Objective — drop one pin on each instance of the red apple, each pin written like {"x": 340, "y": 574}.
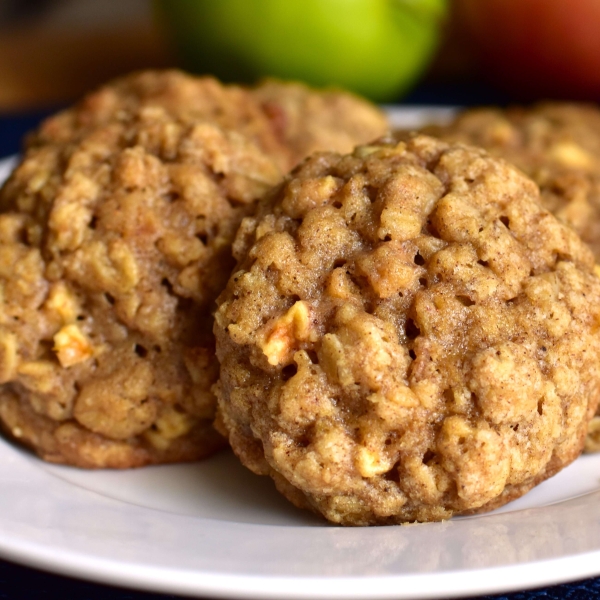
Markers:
{"x": 537, "y": 47}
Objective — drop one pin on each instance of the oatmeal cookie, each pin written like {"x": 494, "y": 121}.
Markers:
{"x": 187, "y": 99}
{"x": 115, "y": 239}
{"x": 308, "y": 121}
{"x": 556, "y": 144}
{"x": 408, "y": 335}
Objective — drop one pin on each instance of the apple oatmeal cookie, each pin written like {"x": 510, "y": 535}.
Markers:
{"x": 287, "y": 120}
{"x": 307, "y": 120}
{"x": 115, "y": 239}
{"x": 408, "y": 335}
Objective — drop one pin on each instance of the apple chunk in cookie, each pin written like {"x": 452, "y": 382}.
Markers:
{"x": 408, "y": 335}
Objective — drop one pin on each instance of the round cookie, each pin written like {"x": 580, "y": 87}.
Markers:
{"x": 115, "y": 239}
{"x": 287, "y": 120}
{"x": 186, "y": 98}
{"x": 408, "y": 335}
{"x": 556, "y": 144}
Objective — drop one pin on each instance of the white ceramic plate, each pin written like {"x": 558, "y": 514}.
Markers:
{"x": 214, "y": 529}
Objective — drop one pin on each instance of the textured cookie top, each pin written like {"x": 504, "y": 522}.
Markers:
{"x": 408, "y": 334}
{"x": 556, "y": 144}
{"x": 115, "y": 240}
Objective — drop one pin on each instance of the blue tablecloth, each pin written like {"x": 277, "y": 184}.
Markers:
{"x": 20, "y": 583}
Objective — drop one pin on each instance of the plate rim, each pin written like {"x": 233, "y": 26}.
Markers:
{"x": 524, "y": 576}
{"x": 425, "y": 585}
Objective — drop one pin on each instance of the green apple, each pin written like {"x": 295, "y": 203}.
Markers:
{"x": 377, "y": 48}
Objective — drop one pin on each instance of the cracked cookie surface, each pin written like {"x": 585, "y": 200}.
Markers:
{"x": 556, "y": 144}
{"x": 408, "y": 335}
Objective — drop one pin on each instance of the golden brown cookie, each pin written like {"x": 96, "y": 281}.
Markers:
{"x": 115, "y": 239}
{"x": 185, "y": 98}
{"x": 287, "y": 120}
{"x": 408, "y": 335}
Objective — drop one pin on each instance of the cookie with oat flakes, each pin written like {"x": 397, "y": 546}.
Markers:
{"x": 306, "y": 120}
{"x": 408, "y": 335}
{"x": 115, "y": 239}
{"x": 556, "y": 144}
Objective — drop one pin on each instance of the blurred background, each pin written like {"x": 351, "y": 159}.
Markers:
{"x": 52, "y": 51}
{"x": 413, "y": 51}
